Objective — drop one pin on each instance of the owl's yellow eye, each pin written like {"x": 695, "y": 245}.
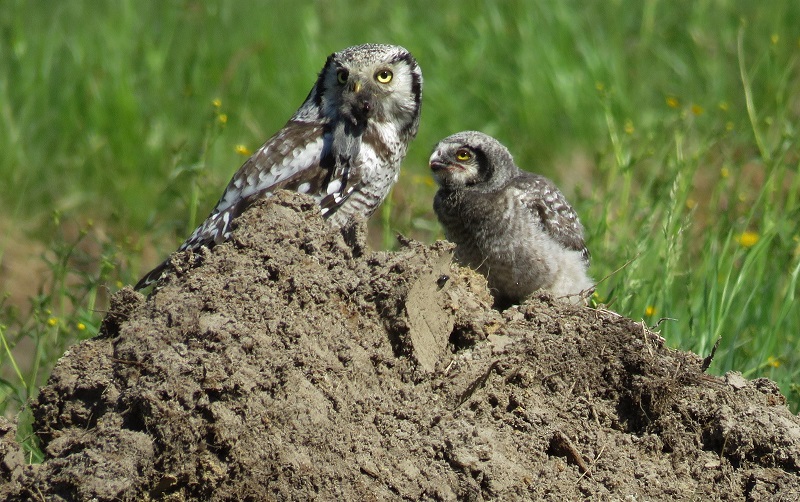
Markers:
{"x": 384, "y": 76}
{"x": 341, "y": 76}
{"x": 463, "y": 154}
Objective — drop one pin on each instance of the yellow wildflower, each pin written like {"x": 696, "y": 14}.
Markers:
{"x": 673, "y": 102}
{"x": 774, "y": 38}
{"x": 629, "y": 126}
{"x": 80, "y": 326}
{"x": 243, "y": 150}
{"x": 223, "y": 118}
{"x": 774, "y": 362}
{"x": 697, "y": 110}
{"x": 52, "y": 321}
{"x": 217, "y": 102}
{"x": 649, "y": 311}
{"x": 690, "y": 203}
{"x": 724, "y": 172}
{"x": 747, "y": 239}
{"x": 723, "y": 105}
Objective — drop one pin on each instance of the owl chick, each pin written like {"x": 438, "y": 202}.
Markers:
{"x": 512, "y": 226}
{"x": 343, "y": 146}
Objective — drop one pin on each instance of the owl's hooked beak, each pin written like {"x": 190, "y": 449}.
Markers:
{"x": 438, "y": 163}
{"x": 441, "y": 170}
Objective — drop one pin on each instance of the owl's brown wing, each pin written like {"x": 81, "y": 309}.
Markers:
{"x": 294, "y": 159}
{"x": 543, "y": 198}
{"x": 290, "y": 159}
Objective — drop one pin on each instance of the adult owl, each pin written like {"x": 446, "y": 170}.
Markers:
{"x": 512, "y": 226}
{"x": 343, "y": 146}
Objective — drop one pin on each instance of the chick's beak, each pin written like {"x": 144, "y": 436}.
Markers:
{"x": 437, "y": 166}
{"x": 436, "y": 163}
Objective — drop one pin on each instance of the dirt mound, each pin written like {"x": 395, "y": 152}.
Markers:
{"x": 291, "y": 363}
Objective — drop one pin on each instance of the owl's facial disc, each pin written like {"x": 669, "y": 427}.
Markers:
{"x": 358, "y": 99}
{"x": 453, "y": 168}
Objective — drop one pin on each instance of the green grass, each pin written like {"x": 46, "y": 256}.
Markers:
{"x": 672, "y": 126}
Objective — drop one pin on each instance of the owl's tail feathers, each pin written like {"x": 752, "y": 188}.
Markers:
{"x": 152, "y": 276}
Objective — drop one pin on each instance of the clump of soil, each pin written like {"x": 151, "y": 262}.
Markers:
{"x": 292, "y": 363}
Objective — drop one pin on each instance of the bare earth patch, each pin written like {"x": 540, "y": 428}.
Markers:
{"x": 292, "y": 363}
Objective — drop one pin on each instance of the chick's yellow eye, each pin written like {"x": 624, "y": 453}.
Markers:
{"x": 383, "y": 76}
{"x": 463, "y": 154}
{"x": 341, "y": 76}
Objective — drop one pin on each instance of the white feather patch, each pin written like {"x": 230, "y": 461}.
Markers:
{"x": 334, "y": 186}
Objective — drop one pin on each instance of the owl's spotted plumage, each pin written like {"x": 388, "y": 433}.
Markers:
{"x": 513, "y": 226}
{"x": 343, "y": 146}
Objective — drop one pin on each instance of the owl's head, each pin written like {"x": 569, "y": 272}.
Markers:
{"x": 471, "y": 159}
{"x": 371, "y": 82}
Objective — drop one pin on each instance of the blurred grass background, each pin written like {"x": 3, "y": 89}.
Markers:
{"x": 670, "y": 125}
